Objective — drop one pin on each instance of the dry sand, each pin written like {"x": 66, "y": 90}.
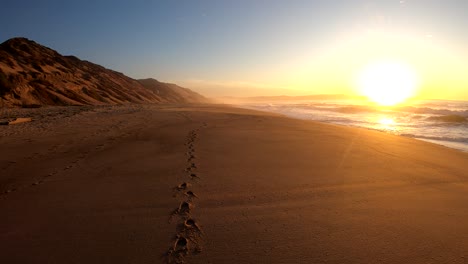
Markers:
{"x": 118, "y": 184}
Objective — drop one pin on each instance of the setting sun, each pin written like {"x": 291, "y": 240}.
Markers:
{"x": 387, "y": 83}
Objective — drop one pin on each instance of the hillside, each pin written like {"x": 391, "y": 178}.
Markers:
{"x": 172, "y": 92}
{"x": 31, "y": 74}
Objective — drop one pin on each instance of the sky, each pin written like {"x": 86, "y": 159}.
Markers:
{"x": 247, "y": 48}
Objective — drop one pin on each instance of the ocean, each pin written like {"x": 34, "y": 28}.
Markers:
{"x": 436, "y": 121}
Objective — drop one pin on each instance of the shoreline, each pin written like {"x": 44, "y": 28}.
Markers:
{"x": 46, "y": 116}
{"x": 58, "y": 112}
{"x": 458, "y": 145}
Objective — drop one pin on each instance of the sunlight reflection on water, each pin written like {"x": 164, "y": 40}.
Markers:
{"x": 387, "y": 123}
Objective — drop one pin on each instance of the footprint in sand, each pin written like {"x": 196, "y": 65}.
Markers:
{"x": 184, "y": 208}
{"x": 191, "y": 224}
{"x": 181, "y": 244}
{"x": 191, "y": 157}
{"x": 9, "y": 191}
{"x": 183, "y": 186}
{"x": 191, "y": 195}
{"x": 37, "y": 183}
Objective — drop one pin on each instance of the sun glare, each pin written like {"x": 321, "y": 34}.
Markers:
{"x": 388, "y": 83}
{"x": 386, "y": 121}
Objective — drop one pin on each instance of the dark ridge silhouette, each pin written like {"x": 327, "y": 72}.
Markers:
{"x": 32, "y": 74}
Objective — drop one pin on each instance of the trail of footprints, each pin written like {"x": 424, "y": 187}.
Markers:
{"x": 189, "y": 234}
{"x": 59, "y": 147}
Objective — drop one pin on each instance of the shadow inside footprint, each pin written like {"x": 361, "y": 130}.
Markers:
{"x": 178, "y": 251}
{"x": 191, "y": 194}
{"x": 181, "y": 244}
{"x": 182, "y": 186}
{"x": 184, "y": 208}
{"x": 191, "y": 224}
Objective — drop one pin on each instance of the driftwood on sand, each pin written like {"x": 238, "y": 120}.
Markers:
{"x": 16, "y": 121}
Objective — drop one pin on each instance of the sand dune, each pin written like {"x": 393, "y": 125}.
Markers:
{"x": 215, "y": 184}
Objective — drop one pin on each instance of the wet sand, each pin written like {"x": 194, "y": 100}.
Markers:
{"x": 215, "y": 184}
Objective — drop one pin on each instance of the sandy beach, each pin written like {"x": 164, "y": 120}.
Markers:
{"x": 217, "y": 184}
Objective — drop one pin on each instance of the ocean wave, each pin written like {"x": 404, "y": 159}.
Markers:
{"x": 432, "y": 111}
{"x": 448, "y": 118}
{"x": 358, "y": 109}
{"x": 448, "y": 139}
{"x": 352, "y": 109}
{"x": 343, "y": 109}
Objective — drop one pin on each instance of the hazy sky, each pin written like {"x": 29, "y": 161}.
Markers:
{"x": 255, "y": 47}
